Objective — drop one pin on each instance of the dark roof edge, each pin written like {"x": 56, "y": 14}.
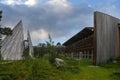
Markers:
{"x": 90, "y": 28}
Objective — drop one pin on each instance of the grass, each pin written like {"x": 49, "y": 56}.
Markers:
{"x": 41, "y": 69}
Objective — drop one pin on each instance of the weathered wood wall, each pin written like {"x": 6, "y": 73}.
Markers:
{"x": 12, "y": 46}
{"x": 81, "y": 45}
{"x": 106, "y": 37}
{"x": 82, "y": 49}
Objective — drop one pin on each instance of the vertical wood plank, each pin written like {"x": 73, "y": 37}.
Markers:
{"x": 106, "y": 37}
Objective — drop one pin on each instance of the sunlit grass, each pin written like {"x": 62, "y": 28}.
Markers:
{"x": 41, "y": 69}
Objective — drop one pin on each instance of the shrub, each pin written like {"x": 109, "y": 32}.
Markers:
{"x": 26, "y": 54}
{"x": 116, "y": 75}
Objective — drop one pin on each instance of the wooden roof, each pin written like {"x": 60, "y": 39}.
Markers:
{"x": 87, "y": 31}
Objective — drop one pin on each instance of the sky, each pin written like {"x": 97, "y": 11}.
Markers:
{"x": 62, "y": 19}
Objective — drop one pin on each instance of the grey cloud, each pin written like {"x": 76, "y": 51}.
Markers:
{"x": 42, "y": 17}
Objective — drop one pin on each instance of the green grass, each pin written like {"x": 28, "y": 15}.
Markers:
{"x": 41, "y": 69}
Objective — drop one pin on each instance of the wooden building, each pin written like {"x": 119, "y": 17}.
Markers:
{"x": 99, "y": 43}
{"x": 81, "y": 45}
{"x": 106, "y": 37}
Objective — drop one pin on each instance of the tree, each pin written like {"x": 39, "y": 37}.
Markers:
{"x": 0, "y": 35}
{"x": 51, "y": 50}
{"x": 40, "y": 50}
{"x": 26, "y": 55}
{"x": 59, "y": 48}
{"x": 58, "y": 44}
{"x": 0, "y": 15}
{"x": 5, "y": 31}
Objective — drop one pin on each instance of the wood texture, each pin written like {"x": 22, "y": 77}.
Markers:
{"x": 30, "y": 45}
{"x": 106, "y": 33}
{"x": 119, "y": 41}
{"x": 12, "y": 46}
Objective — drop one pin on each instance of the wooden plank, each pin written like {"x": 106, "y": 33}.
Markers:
{"x": 118, "y": 41}
{"x": 106, "y": 37}
{"x": 94, "y": 41}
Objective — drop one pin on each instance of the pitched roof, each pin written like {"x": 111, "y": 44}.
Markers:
{"x": 80, "y": 35}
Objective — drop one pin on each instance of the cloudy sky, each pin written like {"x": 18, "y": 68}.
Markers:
{"x": 60, "y": 18}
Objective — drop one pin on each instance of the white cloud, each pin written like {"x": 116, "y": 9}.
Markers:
{"x": 59, "y": 6}
{"x": 56, "y": 5}
{"x": 62, "y": 3}
{"x": 31, "y": 2}
{"x": 11, "y": 2}
{"x": 19, "y": 2}
{"x": 39, "y": 34}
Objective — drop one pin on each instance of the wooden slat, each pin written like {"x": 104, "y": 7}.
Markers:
{"x": 106, "y": 35}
